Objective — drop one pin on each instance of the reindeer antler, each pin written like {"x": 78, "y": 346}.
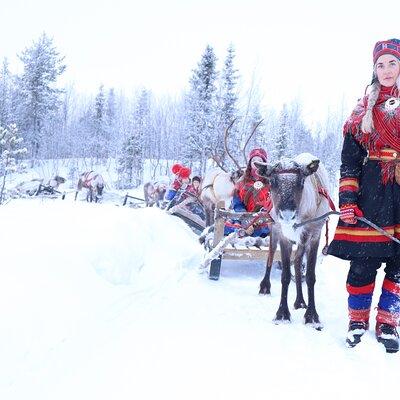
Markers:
{"x": 256, "y": 125}
{"x": 226, "y": 144}
{"x": 216, "y": 159}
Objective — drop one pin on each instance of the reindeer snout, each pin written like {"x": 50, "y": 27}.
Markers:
{"x": 287, "y": 216}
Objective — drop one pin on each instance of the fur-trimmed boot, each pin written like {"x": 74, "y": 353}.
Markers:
{"x": 387, "y": 335}
{"x": 355, "y": 332}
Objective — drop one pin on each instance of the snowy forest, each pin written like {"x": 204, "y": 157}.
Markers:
{"x": 45, "y": 121}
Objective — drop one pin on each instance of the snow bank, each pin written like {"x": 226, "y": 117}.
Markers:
{"x": 102, "y": 302}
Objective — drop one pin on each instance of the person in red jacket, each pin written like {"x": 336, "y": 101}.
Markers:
{"x": 194, "y": 188}
{"x": 180, "y": 181}
{"x": 252, "y": 193}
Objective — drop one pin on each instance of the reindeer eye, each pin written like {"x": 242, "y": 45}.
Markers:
{"x": 273, "y": 180}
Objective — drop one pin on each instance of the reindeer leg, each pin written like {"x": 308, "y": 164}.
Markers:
{"x": 209, "y": 217}
{"x": 299, "y": 303}
{"x": 265, "y": 284}
{"x": 283, "y": 313}
{"x": 311, "y": 315}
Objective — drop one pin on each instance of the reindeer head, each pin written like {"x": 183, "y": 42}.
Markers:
{"x": 236, "y": 175}
{"x": 100, "y": 188}
{"x": 286, "y": 179}
{"x": 59, "y": 179}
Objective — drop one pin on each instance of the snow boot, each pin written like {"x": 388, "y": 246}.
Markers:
{"x": 388, "y": 336}
{"x": 356, "y": 330}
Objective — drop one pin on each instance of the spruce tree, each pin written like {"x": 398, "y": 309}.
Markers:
{"x": 100, "y": 138}
{"x": 201, "y": 107}
{"x": 228, "y": 100}
{"x": 6, "y": 116}
{"x": 39, "y": 99}
{"x": 282, "y": 137}
{"x": 11, "y": 151}
{"x": 131, "y": 160}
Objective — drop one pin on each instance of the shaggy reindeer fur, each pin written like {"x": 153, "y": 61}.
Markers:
{"x": 294, "y": 190}
{"x": 217, "y": 186}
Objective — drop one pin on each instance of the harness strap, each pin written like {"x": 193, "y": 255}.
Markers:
{"x": 323, "y": 192}
{"x": 87, "y": 180}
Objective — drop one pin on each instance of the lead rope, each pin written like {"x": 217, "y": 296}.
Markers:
{"x": 362, "y": 219}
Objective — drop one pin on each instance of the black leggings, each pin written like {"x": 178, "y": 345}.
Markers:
{"x": 363, "y": 270}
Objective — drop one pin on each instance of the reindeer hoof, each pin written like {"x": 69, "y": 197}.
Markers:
{"x": 282, "y": 316}
{"x": 312, "y": 318}
{"x": 264, "y": 288}
{"x": 299, "y": 304}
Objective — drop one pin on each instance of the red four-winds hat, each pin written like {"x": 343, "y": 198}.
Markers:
{"x": 391, "y": 46}
{"x": 176, "y": 168}
{"x": 258, "y": 153}
{"x": 184, "y": 172}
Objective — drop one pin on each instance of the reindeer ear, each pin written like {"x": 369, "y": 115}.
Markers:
{"x": 263, "y": 169}
{"x": 311, "y": 167}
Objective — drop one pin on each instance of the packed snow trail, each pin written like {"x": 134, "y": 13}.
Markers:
{"x": 103, "y": 302}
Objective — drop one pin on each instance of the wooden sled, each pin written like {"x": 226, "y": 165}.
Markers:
{"x": 238, "y": 252}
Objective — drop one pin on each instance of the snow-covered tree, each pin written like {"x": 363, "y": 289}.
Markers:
{"x": 39, "y": 99}
{"x": 329, "y": 145}
{"x": 282, "y": 139}
{"x": 227, "y": 104}
{"x": 100, "y": 140}
{"x": 111, "y": 122}
{"x": 11, "y": 151}
{"x": 201, "y": 109}
{"x": 6, "y": 116}
{"x": 131, "y": 160}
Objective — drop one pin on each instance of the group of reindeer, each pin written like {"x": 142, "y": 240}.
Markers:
{"x": 299, "y": 191}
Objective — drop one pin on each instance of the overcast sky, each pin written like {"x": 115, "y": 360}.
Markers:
{"x": 315, "y": 50}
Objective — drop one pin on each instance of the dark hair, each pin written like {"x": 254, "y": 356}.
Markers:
{"x": 196, "y": 178}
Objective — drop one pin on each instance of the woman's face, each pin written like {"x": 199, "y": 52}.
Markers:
{"x": 387, "y": 69}
{"x": 254, "y": 160}
{"x": 196, "y": 184}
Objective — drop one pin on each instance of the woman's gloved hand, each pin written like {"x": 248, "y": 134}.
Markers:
{"x": 349, "y": 212}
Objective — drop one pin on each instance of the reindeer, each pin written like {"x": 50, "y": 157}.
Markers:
{"x": 299, "y": 193}
{"x": 56, "y": 181}
{"x": 94, "y": 183}
{"x": 218, "y": 184}
{"x": 154, "y": 193}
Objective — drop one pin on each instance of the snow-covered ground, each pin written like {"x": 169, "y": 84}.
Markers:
{"x": 106, "y": 302}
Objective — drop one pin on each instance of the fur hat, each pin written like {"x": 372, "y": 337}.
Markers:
{"x": 184, "y": 172}
{"x": 391, "y": 46}
{"x": 176, "y": 168}
{"x": 196, "y": 178}
{"x": 258, "y": 153}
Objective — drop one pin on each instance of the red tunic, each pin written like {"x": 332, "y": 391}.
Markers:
{"x": 252, "y": 197}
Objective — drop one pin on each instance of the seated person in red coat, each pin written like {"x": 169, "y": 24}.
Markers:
{"x": 181, "y": 180}
{"x": 252, "y": 194}
{"x": 194, "y": 188}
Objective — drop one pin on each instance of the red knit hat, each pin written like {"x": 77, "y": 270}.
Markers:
{"x": 258, "y": 153}
{"x": 176, "y": 168}
{"x": 391, "y": 46}
{"x": 184, "y": 172}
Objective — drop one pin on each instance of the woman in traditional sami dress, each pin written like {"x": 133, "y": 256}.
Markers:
{"x": 370, "y": 187}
